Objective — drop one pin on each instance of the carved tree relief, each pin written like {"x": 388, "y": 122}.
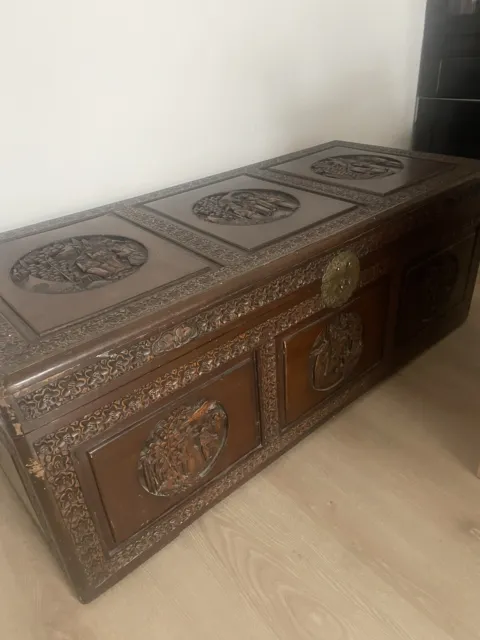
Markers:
{"x": 78, "y": 264}
{"x": 246, "y": 206}
{"x": 183, "y": 448}
{"x": 336, "y": 351}
{"x": 357, "y": 167}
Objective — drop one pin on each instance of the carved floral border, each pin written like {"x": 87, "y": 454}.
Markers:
{"x": 67, "y": 388}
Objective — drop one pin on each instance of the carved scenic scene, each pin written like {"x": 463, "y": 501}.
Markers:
{"x": 246, "y": 206}
{"x": 357, "y": 167}
{"x": 78, "y": 264}
{"x": 183, "y": 448}
{"x": 336, "y": 351}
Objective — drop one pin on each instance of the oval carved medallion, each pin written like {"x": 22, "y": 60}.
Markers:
{"x": 340, "y": 279}
{"x": 246, "y": 206}
{"x": 183, "y": 448}
{"x": 78, "y": 264}
{"x": 357, "y": 167}
{"x": 336, "y": 351}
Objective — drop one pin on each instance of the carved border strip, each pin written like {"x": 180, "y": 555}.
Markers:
{"x": 12, "y": 344}
{"x": 195, "y": 242}
{"x": 326, "y": 189}
{"x": 54, "y": 450}
{"x": 269, "y": 393}
{"x": 65, "y": 389}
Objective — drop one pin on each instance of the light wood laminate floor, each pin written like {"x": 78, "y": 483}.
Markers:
{"x": 369, "y": 529}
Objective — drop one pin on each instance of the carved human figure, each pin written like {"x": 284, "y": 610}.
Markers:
{"x": 246, "y": 206}
{"x": 78, "y": 264}
{"x": 336, "y": 351}
{"x": 357, "y": 167}
{"x": 183, "y": 448}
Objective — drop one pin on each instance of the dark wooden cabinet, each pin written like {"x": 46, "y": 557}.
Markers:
{"x": 448, "y": 126}
{"x": 448, "y": 108}
{"x": 157, "y": 353}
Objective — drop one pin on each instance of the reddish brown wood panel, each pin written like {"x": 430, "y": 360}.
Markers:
{"x": 324, "y": 355}
{"x": 432, "y": 287}
{"x": 62, "y": 276}
{"x": 155, "y": 464}
{"x": 248, "y": 212}
{"x": 156, "y": 354}
{"x": 367, "y": 171}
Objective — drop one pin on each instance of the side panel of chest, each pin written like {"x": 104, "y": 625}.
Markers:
{"x": 432, "y": 287}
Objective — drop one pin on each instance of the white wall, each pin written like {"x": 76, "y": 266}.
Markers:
{"x": 106, "y": 99}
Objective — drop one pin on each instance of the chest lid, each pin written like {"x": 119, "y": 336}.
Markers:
{"x": 74, "y": 285}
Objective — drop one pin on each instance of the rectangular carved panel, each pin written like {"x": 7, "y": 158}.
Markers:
{"x": 366, "y": 171}
{"x": 149, "y": 467}
{"x": 248, "y": 212}
{"x": 431, "y": 287}
{"x": 322, "y": 356}
{"x": 61, "y": 276}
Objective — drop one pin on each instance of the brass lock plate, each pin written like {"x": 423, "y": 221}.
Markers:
{"x": 340, "y": 279}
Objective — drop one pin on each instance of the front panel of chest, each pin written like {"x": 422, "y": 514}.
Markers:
{"x": 152, "y": 455}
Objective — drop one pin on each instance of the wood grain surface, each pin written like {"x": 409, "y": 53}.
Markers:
{"x": 369, "y": 529}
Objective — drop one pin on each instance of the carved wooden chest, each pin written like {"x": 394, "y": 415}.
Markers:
{"x": 158, "y": 352}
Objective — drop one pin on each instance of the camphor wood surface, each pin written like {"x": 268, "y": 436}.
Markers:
{"x": 367, "y": 530}
{"x": 100, "y": 390}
